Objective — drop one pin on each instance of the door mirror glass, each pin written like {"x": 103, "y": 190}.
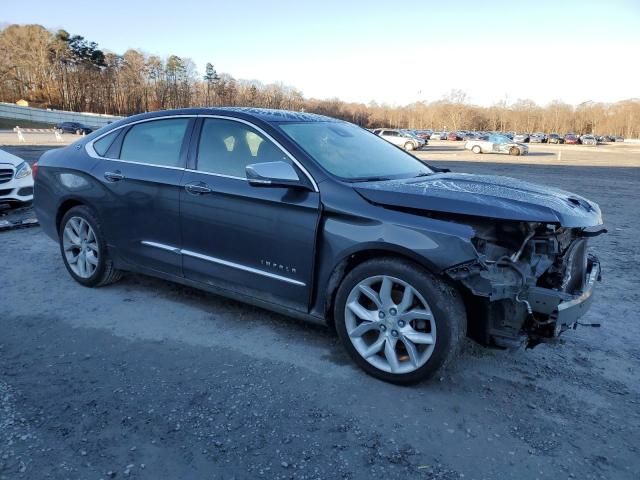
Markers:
{"x": 273, "y": 174}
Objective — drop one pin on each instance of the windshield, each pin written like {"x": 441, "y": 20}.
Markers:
{"x": 352, "y": 153}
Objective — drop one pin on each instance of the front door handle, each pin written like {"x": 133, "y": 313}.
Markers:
{"x": 199, "y": 188}
{"x": 113, "y": 176}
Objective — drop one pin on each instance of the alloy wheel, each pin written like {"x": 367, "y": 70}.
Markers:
{"x": 80, "y": 247}
{"x": 390, "y": 324}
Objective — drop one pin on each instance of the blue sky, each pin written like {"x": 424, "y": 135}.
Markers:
{"x": 394, "y": 52}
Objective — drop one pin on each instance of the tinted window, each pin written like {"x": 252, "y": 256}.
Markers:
{"x": 226, "y": 147}
{"x": 101, "y": 146}
{"x": 157, "y": 142}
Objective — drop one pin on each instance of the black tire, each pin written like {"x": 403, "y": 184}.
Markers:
{"x": 444, "y": 301}
{"x": 515, "y": 151}
{"x": 78, "y": 132}
{"x": 105, "y": 273}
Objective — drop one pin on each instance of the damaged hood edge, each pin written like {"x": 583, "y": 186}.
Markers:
{"x": 486, "y": 196}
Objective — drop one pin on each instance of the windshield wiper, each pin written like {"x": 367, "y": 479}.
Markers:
{"x": 370, "y": 179}
{"x": 423, "y": 174}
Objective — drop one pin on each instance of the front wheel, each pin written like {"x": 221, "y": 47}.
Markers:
{"x": 514, "y": 151}
{"x": 408, "y": 146}
{"x": 476, "y": 149}
{"x": 84, "y": 249}
{"x": 398, "y": 322}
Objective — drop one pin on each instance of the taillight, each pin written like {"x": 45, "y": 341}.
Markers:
{"x": 34, "y": 170}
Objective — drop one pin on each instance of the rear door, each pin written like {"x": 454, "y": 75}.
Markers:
{"x": 258, "y": 241}
{"x": 142, "y": 180}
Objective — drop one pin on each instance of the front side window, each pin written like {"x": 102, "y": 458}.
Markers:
{"x": 351, "y": 153}
{"x": 226, "y": 147}
{"x": 157, "y": 142}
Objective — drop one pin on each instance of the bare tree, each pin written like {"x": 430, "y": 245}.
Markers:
{"x": 61, "y": 70}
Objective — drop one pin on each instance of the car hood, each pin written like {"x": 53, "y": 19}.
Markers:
{"x": 8, "y": 158}
{"x": 484, "y": 196}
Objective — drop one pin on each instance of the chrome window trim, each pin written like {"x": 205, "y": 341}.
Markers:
{"x": 220, "y": 261}
{"x": 216, "y": 174}
{"x": 92, "y": 153}
{"x": 269, "y": 137}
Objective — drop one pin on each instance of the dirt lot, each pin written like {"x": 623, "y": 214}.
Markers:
{"x": 146, "y": 379}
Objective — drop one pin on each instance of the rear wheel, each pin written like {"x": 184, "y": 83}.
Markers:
{"x": 408, "y": 146}
{"x": 514, "y": 151}
{"x": 476, "y": 149}
{"x": 84, "y": 250}
{"x": 398, "y": 322}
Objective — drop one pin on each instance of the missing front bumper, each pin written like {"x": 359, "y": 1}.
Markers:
{"x": 563, "y": 310}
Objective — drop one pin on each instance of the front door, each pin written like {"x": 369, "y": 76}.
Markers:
{"x": 258, "y": 241}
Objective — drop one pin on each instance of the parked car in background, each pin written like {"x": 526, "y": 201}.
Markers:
{"x": 401, "y": 139}
{"x": 454, "y": 136}
{"x": 588, "y": 140}
{"x": 521, "y": 138}
{"x": 538, "y": 138}
{"x": 495, "y": 143}
{"x": 16, "y": 181}
{"x": 571, "y": 139}
{"x": 402, "y": 259}
{"x": 74, "y": 127}
{"x": 555, "y": 138}
{"x": 439, "y": 136}
{"x": 424, "y": 134}
{"x": 618, "y": 138}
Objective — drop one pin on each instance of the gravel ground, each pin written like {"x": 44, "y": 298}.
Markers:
{"x": 146, "y": 379}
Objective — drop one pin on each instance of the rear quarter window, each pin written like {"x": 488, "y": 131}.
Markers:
{"x": 102, "y": 145}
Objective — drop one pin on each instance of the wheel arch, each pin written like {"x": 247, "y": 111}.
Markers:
{"x": 357, "y": 256}
{"x": 64, "y": 207}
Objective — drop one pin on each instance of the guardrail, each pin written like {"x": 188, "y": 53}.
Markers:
{"x": 16, "y": 112}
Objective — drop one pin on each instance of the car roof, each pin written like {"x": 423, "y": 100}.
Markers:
{"x": 268, "y": 115}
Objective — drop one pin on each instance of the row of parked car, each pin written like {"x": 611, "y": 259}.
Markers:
{"x": 538, "y": 137}
{"x": 416, "y": 139}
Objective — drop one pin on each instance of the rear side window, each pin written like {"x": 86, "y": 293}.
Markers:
{"x": 101, "y": 146}
{"x": 157, "y": 142}
{"x": 226, "y": 147}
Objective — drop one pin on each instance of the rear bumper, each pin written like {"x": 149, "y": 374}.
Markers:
{"x": 563, "y": 309}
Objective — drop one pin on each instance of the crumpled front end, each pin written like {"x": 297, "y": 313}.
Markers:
{"x": 531, "y": 281}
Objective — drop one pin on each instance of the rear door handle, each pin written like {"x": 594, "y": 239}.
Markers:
{"x": 113, "y": 176}
{"x": 197, "y": 188}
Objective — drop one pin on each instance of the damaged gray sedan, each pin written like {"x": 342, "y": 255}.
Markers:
{"x": 319, "y": 219}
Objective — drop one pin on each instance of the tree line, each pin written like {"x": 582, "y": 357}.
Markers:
{"x": 68, "y": 72}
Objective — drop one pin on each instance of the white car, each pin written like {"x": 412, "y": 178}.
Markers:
{"x": 439, "y": 135}
{"x": 16, "y": 181}
{"x": 401, "y": 139}
{"x": 496, "y": 144}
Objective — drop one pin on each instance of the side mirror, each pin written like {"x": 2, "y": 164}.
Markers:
{"x": 273, "y": 174}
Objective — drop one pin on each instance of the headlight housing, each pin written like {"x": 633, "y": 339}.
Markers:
{"x": 22, "y": 170}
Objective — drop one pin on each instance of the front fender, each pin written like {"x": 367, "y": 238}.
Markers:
{"x": 434, "y": 244}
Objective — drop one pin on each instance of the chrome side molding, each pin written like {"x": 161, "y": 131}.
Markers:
{"x": 220, "y": 261}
